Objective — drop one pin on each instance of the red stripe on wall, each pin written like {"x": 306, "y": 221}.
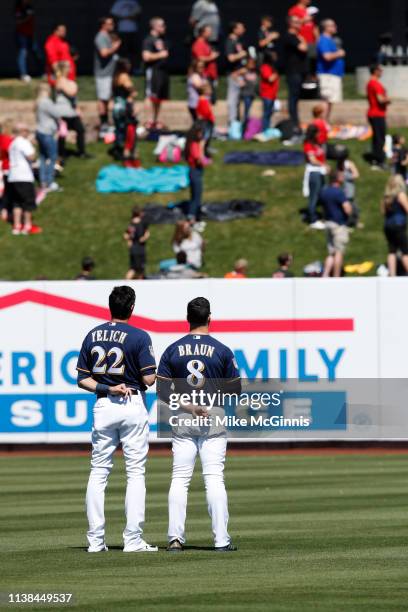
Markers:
{"x": 175, "y": 327}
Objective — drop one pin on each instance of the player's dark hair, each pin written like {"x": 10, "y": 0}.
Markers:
{"x": 311, "y": 133}
{"x": 198, "y": 312}
{"x": 136, "y": 211}
{"x": 121, "y": 302}
{"x": 88, "y": 264}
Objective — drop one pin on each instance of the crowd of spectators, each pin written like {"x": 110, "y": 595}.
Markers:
{"x": 308, "y": 53}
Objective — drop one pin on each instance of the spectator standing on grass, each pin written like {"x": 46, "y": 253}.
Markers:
{"x": 267, "y": 37}
{"x": 195, "y": 81}
{"x": 285, "y": 260}
{"x": 127, "y": 14}
{"x": 87, "y": 267}
{"x": 194, "y": 154}
{"x": 330, "y": 65}
{"x": 25, "y": 38}
{"x": 47, "y": 121}
{"x": 202, "y": 51}
{"x": 66, "y": 92}
{"x": 136, "y": 236}
{"x": 268, "y": 88}
{"x": 378, "y": 102}
{"x": 155, "y": 56}
{"x": 249, "y": 89}
{"x": 236, "y": 55}
{"x": 350, "y": 174}
{"x": 21, "y": 182}
{"x": 6, "y": 138}
{"x": 394, "y": 207}
{"x": 206, "y": 117}
{"x": 240, "y": 269}
{"x": 315, "y": 172}
{"x": 337, "y": 210}
{"x": 205, "y": 13}
{"x": 106, "y": 47}
{"x": 186, "y": 239}
{"x": 295, "y": 58}
{"x": 124, "y": 115}
{"x": 57, "y": 50}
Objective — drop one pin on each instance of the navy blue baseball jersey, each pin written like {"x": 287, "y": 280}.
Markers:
{"x": 198, "y": 361}
{"x": 116, "y": 353}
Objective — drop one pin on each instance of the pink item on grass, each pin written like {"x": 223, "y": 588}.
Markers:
{"x": 254, "y": 126}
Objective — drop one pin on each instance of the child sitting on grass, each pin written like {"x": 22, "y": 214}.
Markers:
{"x": 136, "y": 236}
{"x": 268, "y": 88}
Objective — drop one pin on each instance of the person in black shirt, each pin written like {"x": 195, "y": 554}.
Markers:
{"x": 136, "y": 235}
{"x": 236, "y": 56}
{"x": 295, "y": 58}
{"x": 155, "y": 56}
{"x": 267, "y": 37}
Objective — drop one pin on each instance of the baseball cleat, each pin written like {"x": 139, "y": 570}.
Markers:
{"x": 104, "y": 548}
{"x": 228, "y": 548}
{"x": 143, "y": 547}
{"x": 175, "y": 546}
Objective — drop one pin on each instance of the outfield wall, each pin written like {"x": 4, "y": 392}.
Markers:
{"x": 309, "y": 330}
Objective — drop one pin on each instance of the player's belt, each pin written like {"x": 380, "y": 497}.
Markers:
{"x": 133, "y": 392}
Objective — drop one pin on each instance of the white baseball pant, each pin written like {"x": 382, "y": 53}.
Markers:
{"x": 212, "y": 452}
{"x": 115, "y": 421}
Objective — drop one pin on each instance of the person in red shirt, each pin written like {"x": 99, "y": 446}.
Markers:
{"x": 308, "y": 31}
{"x": 26, "y": 43}
{"x": 194, "y": 154}
{"x": 315, "y": 172}
{"x": 57, "y": 50}
{"x": 319, "y": 112}
{"x": 6, "y": 139}
{"x": 205, "y": 114}
{"x": 202, "y": 50}
{"x": 378, "y": 102}
{"x": 268, "y": 88}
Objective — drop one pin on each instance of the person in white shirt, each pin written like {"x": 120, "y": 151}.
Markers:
{"x": 187, "y": 240}
{"x": 127, "y": 14}
{"x": 21, "y": 180}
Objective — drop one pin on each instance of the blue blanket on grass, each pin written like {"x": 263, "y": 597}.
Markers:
{"x": 265, "y": 158}
{"x": 116, "y": 179}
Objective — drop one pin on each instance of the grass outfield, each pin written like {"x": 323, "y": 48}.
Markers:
{"x": 321, "y": 533}
{"x": 80, "y": 222}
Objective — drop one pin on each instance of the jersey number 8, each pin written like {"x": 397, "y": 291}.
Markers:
{"x": 196, "y": 377}
{"x": 100, "y": 367}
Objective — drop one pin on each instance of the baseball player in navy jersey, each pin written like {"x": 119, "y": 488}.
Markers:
{"x": 198, "y": 361}
{"x": 117, "y": 363}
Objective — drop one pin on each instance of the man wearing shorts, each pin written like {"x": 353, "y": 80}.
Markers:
{"x": 330, "y": 64}
{"x": 155, "y": 56}
{"x": 21, "y": 181}
{"x": 106, "y": 47}
{"x": 336, "y": 211}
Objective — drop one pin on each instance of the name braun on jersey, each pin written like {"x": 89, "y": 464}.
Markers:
{"x": 205, "y": 350}
{"x": 109, "y": 335}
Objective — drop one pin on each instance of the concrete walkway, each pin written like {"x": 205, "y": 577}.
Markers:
{"x": 176, "y": 116}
